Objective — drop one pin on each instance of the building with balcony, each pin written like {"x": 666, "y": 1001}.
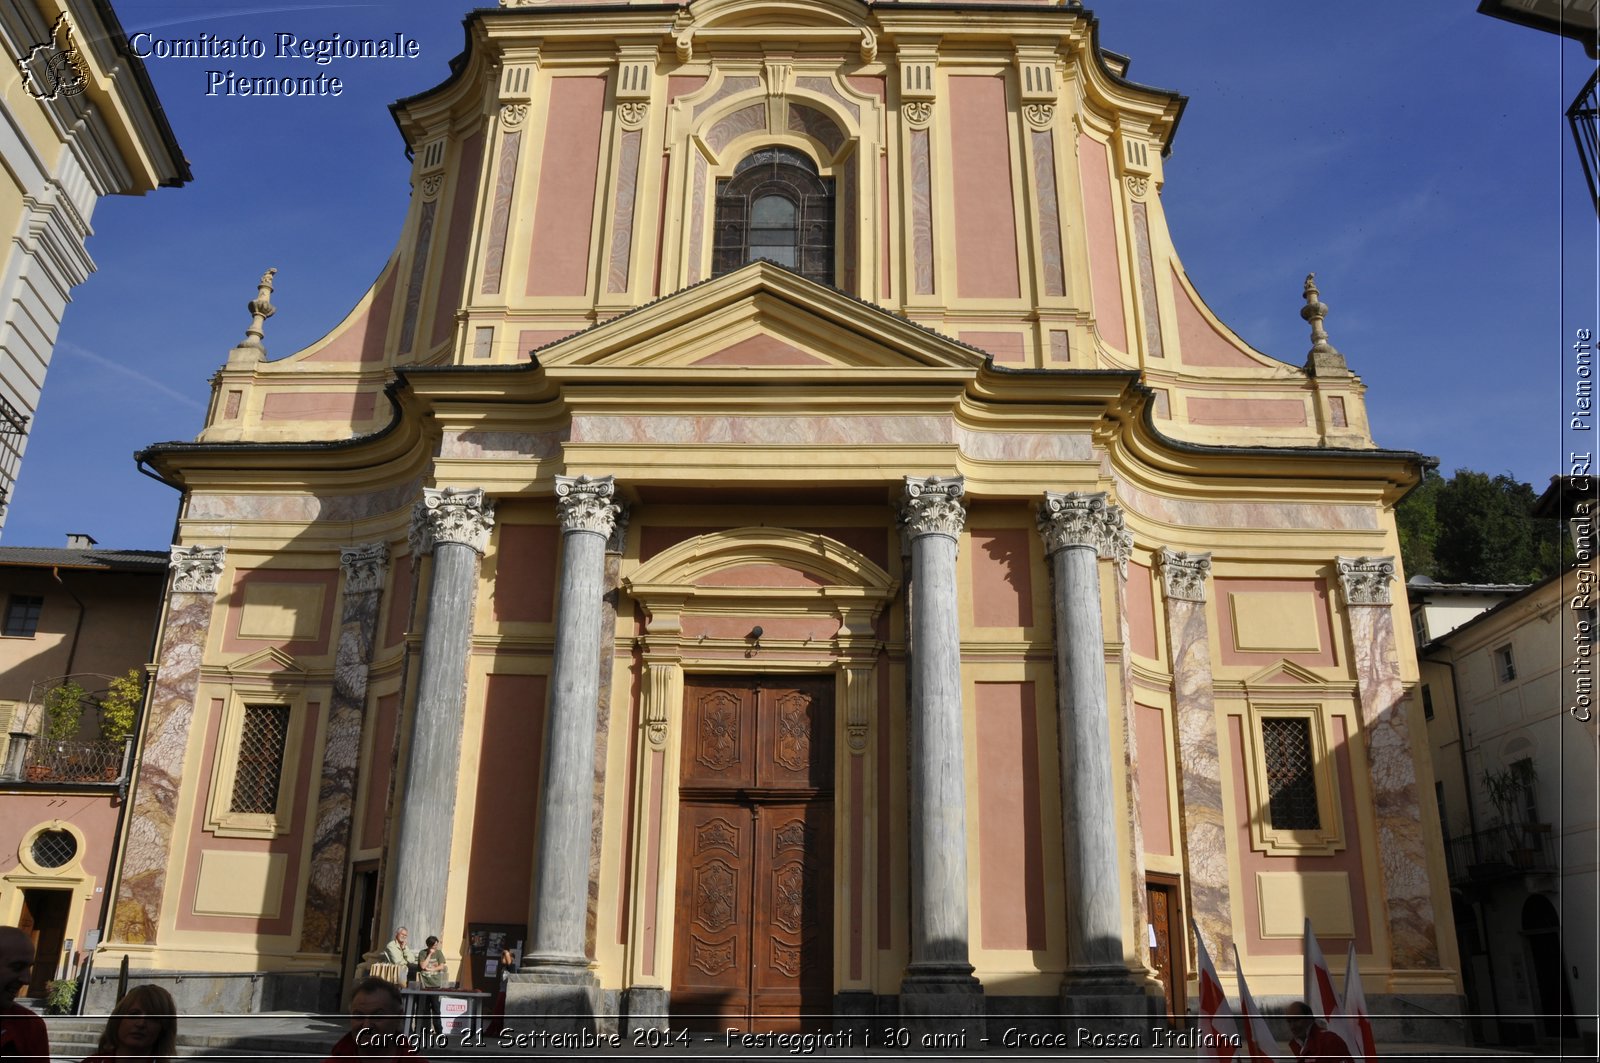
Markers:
{"x": 79, "y": 120}
{"x": 1508, "y": 697}
{"x": 79, "y": 624}
{"x": 783, "y": 541}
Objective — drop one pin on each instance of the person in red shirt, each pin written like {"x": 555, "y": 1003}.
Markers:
{"x": 1309, "y": 1039}
{"x": 22, "y": 1033}
{"x": 376, "y": 1025}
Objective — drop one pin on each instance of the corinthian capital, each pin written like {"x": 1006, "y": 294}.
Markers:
{"x": 1081, "y": 518}
{"x": 1365, "y": 580}
{"x": 932, "y": 506}
{"x": 364, "y": 567}
{"x": 1184, "y": 575}
{"x": 451, "y": 516}
{"x": 195, "y": 568}
{"x": 584, "y": 503}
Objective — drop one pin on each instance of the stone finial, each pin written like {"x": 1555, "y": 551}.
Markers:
{"x": 195, "y": 569}
{"x": 1183, "y": 575}
{"x": 932, "y": 506}
{"x": 583, "y": 503}
{"x": 260, "y": 309}
{"x": 451, "y": 516}
{"x": 1323, "y": 359}
{"x": 1365, "y": 580}
{"x": 364, "y": 567}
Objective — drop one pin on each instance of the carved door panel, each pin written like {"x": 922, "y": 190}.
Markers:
{"x": 754, "y": 941}
{"x": 1166, "y": 932}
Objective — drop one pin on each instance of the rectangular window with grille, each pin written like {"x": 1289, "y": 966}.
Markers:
{"x": 1505, "y": 665}
{"x": 1291, "y": 773}
{"x": 262, "y": 741}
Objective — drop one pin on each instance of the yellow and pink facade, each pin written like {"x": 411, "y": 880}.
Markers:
{"x": 1057, "y": 562}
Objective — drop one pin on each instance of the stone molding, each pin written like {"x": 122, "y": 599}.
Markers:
{"x": 365, "y": 567}
{"x": 932, "y": 506}
{"x": 583, "y": 504}
{"x": 1183, "y": 575}
{"x": 449, "y": 515}
{"x": 1365, "y": 580}
{"x": 195, "y": 569}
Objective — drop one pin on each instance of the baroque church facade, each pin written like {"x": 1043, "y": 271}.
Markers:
{"x": 783, "y": 536}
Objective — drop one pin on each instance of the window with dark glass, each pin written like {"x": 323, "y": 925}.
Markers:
{"x": 22, "y": 615}
{"x": 1291, "y": 773}
{"x": 775, "y": 206}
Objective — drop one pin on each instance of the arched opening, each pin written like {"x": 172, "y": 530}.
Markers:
{"x": 776, "y": 206}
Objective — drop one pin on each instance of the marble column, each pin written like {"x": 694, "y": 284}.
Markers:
{"x": 1077, "y": 528}
{"x": 452, "y": 525}
{"x": 1201, "y": 816}
{"x": 938, "y": 980}
{"x": 555, "y": 989}
{"x": 1364, "y": 582}
{"x": 366, "y": 568}
{"x": 167, "y": 724}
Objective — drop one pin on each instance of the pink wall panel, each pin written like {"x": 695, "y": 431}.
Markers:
{"x": 1002, "y": 583}
{"x": 379, "y": 771}
{"x": 558, "y": 262}
{"x": 1141, "y": 611}
{"x": 500, "y": 867}
{"x": 319, "y": 406}
{"x": 1200, "y": 343}
{"x": 1105, "y": 271}
{"x": 453, "y": 275}
{"x": 1007, "y": 347}
{"x": 399, "y": 602}
{"x": 244, "y": 580}
{"x": 1155, "y": 816}
{"x": 1261, "y": 413}
{"x": 525, "y": 573}
{"x": 1010, "y": 846}
{"x": 1316, "y": 589}
{"x": 980, "y": 158}
{"x": 363, "y": 340}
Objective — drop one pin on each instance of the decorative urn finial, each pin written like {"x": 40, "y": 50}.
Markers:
{"x": 1323, "y": 358}
{"x": 260, "y": 309}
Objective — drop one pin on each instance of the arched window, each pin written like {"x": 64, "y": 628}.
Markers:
{"x": 775, "y": 206}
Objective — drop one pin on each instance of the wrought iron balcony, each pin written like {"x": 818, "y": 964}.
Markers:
{"x": 1584, "y": 117}
{"x": 1499, "y": 853}
{"x": 96, "y": 761}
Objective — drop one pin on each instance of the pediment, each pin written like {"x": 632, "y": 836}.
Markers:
{"x": 1284, "y": 673}
{"x": 761, "y": 317}
{"x": 267, "y": 662}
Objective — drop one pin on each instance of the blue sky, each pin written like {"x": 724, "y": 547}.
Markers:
{"x": 1414, "y": 155}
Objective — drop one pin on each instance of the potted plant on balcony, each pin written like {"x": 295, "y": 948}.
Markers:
{"x": 118, "y": 709}
{"x": 1508, "y": 790}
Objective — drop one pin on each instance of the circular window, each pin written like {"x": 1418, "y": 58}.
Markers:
{"x": 54, "y": 848}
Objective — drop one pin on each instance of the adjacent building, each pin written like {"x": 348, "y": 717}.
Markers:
{"x": 784, "y": 537}
{"x": 79, "y": 120}
{"x": 79, "y": 624}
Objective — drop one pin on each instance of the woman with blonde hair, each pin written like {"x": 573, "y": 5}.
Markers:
{"x": 143, "y": 1026}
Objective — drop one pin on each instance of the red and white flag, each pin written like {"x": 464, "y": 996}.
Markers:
{"x": 1321, "y": 997}
{"x": 1258, "y": 1043}
{"x": 1216, "y": 1018}
{"x": 1355, "y": 1005}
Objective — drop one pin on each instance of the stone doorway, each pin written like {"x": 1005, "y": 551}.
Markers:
{"x": 754, "y": 939}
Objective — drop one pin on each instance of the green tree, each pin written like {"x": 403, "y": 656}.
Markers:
{"x": 120, "y": 705}
{"x": 1482, "y": 531}
{"x": 1417, "y": 519}
{"x": 63, "y": 708}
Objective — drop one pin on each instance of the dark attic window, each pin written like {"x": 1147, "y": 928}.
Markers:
{"x": 775, "y": 206}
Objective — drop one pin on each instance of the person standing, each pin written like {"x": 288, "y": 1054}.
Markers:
{"x": 432, "y": 971}
{"x": 1310, "y": 1039}
{"x": 376, "y": 1018}
{"x": 22, "y": 1033}
{"x": 143, "y": 1026}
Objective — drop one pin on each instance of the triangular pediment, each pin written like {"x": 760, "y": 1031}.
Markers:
{"x": 1284, "y": 673}
{"x": 267, "y": 662}
{"x": 761, "y": 317}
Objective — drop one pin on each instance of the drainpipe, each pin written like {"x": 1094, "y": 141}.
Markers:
{"x": 77, "y": 629}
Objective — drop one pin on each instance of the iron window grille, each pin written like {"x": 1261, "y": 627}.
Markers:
{"x": 262, "y": 740}
{"x": 54, "y": 848}
{"x": 776, "y": 207}
{"x": 1291, "y": 773}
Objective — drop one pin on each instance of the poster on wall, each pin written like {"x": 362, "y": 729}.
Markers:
{"x": 485, "y": 942}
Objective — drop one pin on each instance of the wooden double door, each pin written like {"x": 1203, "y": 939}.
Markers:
{"x": 754, "y": 941}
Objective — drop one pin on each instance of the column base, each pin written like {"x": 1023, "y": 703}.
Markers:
{"x": 1110, "y": 1000}
{"x": 942, "y": 1007}
{"x": 643, "y": 1008}
{"x": 560, "y": 997}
